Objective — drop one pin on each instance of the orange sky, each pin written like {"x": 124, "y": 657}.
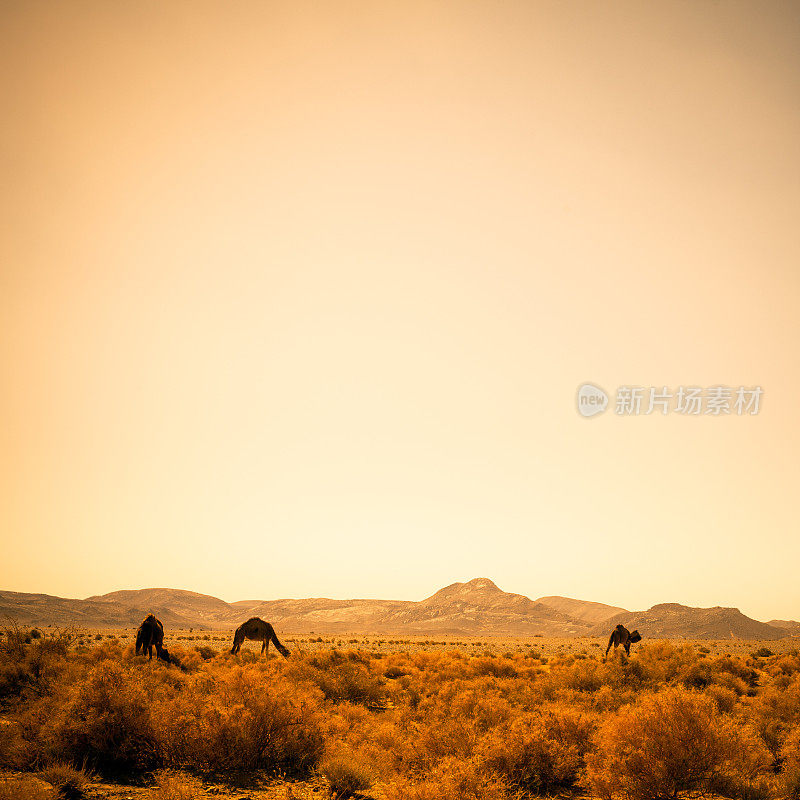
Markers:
{"x": 295, "y": 298}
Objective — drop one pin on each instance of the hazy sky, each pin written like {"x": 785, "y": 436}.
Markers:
{"x": 295, "y": 298}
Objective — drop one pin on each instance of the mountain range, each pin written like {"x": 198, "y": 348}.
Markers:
{"x": 475, "y": 608}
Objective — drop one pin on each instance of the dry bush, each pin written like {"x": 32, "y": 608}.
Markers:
{"x": 104, "y": 721}
{"x": 484, "y": 705}
{"x": 170, "y": 786}
{"x": 667, "y": 743}
{"x": 539, "y": 751}
{"x": 739, "y": 787}
{"x": 30, "y": 664}
{"x": 722, "y": 671}
{"x": 775, "y": 711}
{"x": 498, "y": 667}
{"x": 790, "y": 774}
{"x": 242, "y": 721}
{"x": 786, "y": 664}
{"x": 451, "y": 779}
{"x": 726, "y": 699}
{"x": 342, "y": 677}
{"x": 14, "y": 749}
{"x": 347, "y": 771}
{"x": 426, "y": 742}
{"x": 576, "y": 679}
{"x": 662, "y": 662}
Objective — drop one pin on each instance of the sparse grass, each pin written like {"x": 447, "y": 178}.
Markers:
{"x": 25, "y": 788}
{"x": 69, "y": 783}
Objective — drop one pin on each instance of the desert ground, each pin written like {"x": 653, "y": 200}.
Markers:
{"x": 309, "y": 642}
{"x": 395, "y": 717}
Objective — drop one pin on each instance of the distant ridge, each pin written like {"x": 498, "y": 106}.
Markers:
{"x": 673, "y": 620}
{"x": 585, "y": 610}
{"x": 474, "y": 608}
{"x": 789, "y": 625}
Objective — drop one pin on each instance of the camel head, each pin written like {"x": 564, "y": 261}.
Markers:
{"x": 636, "y": 636}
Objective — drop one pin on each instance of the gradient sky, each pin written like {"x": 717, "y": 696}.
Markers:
{"x": 295, "y": 298}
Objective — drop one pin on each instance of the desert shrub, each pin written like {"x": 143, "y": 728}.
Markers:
{"x": 187, "y": 660}
{"x": 724, "y": 697}
{"x": 738, "y": 787}
{"x": 489, "y": 665}
{"x": 104, "y": 721}
{"x": 29, "y": 665}
{"x": 241, "y": 721}
{"x": 572, "y": 674}
{"x": 786, "y": 664}
{"x": 667, "y": 743}
{"x": 427, "y": 742}
{"x": 108, "y": 651}
{"x": 790, "y": 773}
{"x": 662, "y": 661}
{"x": 341, "y": 678}
{"x": 394, "y": 672}
{"x": 775, "y": 712}
{"x": 14, "y": 750}
{"x": 451, "y": 779}
{"x": 539, "y": 751}
{"x": 169, "y": 786}
{"x": 346, "y": 771}
{"x": 484, "y": 705}
{"x": 205, "y": 652}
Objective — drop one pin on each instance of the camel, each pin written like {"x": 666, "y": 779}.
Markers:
{"x": 622, "y": 636}
{"x": 256, "y": 629}
{"x": 149, "y": 635}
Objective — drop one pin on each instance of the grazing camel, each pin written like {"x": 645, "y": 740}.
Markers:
{"x": 149, "y": 635}
{"x": 622, "y": 636}
{"x": 256, "y": 629}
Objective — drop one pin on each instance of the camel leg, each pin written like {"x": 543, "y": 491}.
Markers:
{"x": 265, "y": 648}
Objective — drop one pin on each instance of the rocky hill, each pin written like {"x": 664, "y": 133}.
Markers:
{"x": 790, "y": 625}
{"x": 672, "y": 620}
{"x": 585, "y": 610}
{"x": 199, "y": 608}
{"x": 44, "y": 609}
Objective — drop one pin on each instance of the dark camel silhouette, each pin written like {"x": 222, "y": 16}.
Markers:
{"x": 256, "y": 629}
{"x": 622, "y": 636}
{"x": 150, "y": 635}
